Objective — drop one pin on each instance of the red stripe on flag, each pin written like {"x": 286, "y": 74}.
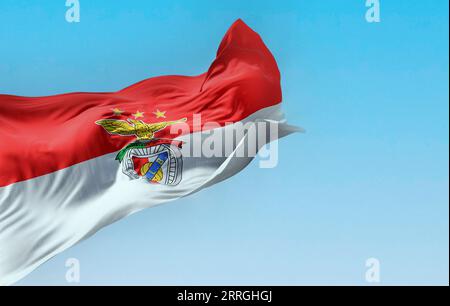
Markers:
{"x": 41, "y": 135}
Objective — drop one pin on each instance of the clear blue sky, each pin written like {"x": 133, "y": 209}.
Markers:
{"x": 368, "y": 179}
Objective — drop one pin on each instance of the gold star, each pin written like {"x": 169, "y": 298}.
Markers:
{"x": 160, "y": 114}
{"x": 138, "y": 115}
{"x": 116, "y": 111}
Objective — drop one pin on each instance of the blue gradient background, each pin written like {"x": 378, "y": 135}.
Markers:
{"x": 368, "y": 179}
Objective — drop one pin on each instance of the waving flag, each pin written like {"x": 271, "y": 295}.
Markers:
{"x": 71, "y": 164}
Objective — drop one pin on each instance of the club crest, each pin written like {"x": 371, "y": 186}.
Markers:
{"x": 158, "y": 161}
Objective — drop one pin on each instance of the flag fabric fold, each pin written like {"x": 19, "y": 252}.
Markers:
{"x": 71, "y": 164}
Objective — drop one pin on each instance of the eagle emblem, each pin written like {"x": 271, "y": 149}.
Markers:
{"x": 138, "y": 128}
{"x": 153, "y": 159}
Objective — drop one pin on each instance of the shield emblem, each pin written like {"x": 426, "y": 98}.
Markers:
{"x": 158, "y": 164}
